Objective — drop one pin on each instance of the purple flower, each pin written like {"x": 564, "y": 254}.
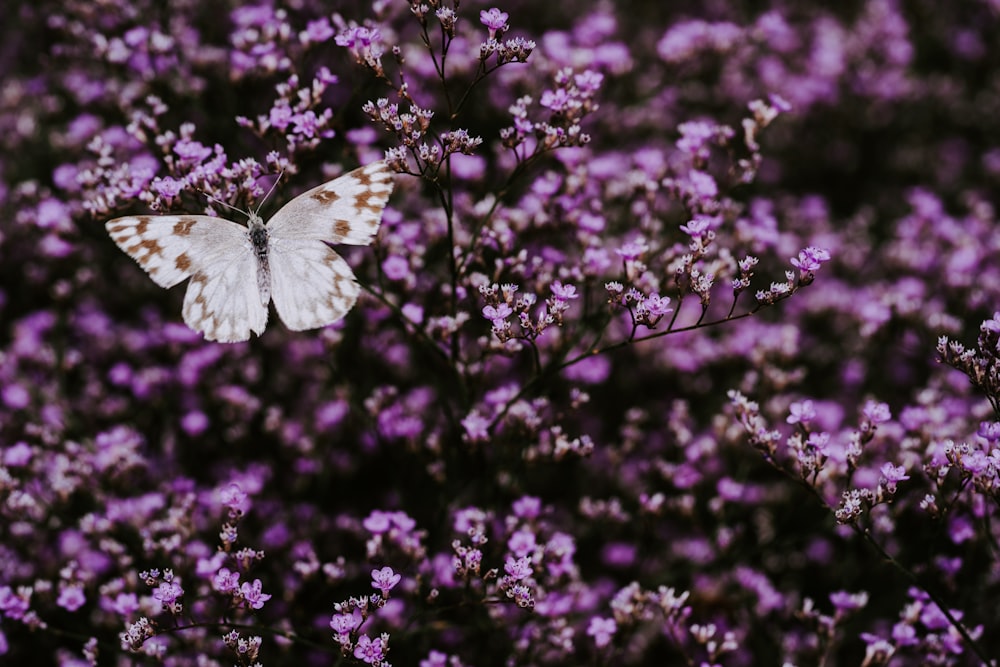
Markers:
{"x": 657, "y": 306}
{"x": 385, "y": 580}
{"x": 564, "y": 292}
{"x": 810, "y": 259}
{"x": 498, "y": 313}
{"x": 168, "y": 188}
{"x": 167, "y": 593}
{"x": 495, "y": 20}
{"x": 876, "y": 413}
{"x": 893, "y": 473}
{"x": 558, "y": 100}
{"x": 72, "y": 597}
{"x": 632, "y": 250}
{"x": 345, "y": 624}
{"x": 602, "y": 630}
{"x": 801, "y": 412}
{"x": 521, "y": 543}
{"x": 191, "y": 152}
{"x": 396, "y": 267}
{"x": 369, "y": 651}
{"x": 195, "y": 423}
{"x": 226, "y": 581}
{"x": 844, "y": 601}
{"x": 233, "y": 497}
{"x": 318, "y": 30}
{"x": 476, "y": 427}
{"x": 252, "y": 594}
{"x": 519, "y": 568}
{"x": 989, "y": 431}
{"x": 527, "y": 507}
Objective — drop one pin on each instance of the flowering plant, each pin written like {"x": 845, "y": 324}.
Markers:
{"x": 666, "y": 351}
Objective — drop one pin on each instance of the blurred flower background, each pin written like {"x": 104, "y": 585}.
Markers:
{"x": 646, "y": 370}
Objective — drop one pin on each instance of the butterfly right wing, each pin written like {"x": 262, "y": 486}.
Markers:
{"x": 345, "y": 210}
{"x": 223, "y": 300}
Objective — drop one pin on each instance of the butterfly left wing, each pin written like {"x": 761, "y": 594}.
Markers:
{"x": 171, "y": 247}
{"x": 345, "y": 210}
{"x": 223, "y": 300}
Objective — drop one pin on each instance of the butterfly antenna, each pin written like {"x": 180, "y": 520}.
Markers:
{"x": 219, "y": 201}
{"x": 273, "y": 186}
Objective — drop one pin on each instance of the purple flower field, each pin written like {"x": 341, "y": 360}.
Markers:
{"x": 678, "y": 344}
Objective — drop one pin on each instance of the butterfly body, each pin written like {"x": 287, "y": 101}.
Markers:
{"x": 236, "y": 270}
{"x": 261, "y": 248}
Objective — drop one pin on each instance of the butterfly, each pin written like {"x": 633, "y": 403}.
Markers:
{"x": 236, "y": 270}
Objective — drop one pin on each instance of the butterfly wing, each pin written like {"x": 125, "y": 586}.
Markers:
{"x": 223, "y": 300}
{"x": 345, "y": 210}
{"x": 312, "y": 286}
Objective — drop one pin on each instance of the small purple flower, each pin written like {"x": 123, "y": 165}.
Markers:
{"x": 558, "y": 100}
{"x": 395, "y": 267}
{"x": 893, "y": 473}
{"x": 385, "y": 580}
{"x": 974, "y": 463}
{"x": 251, "y": 592}
{"x": 17, "y": 455}
{"x": 194, "y": 423}
{"x": 167, "y": 593}
{"x": 476, "y": 427}
{"x": 602, "y": 630}
{"x": 495, "y": 20}
{"x": 801, "y": 412}
{"x": 703, "y": 186}
{"x": 657, "y": 306}
{"x": 124, "y": 604}
{"x": 820, "y": 442}
{"x": 810, "y": 259}
{"x": 345, "y": 624}
{"x": 168, "y": 188}
{"x": 370, "y": 651}
{"x": 191, "y": 152}
{"x": 378, "y": 522}
{"x": 317, "y": 31}
{"x": 632, "y": 250}
{"x": 527, "y": 507}
{"x": 876, "y": 413}
{"x": 989, "y": 431}
{"x": 518, "y": 569}
{"x": 521, "y": 543}
{"x": 281, "y": 115}
{"x": 72, "y": 597}
{"x": 588, "y": 81}
{"x": 498, "y": 313}
{"x": 226, "y": 581}
{"x": 844, "y": 601}
{"x": 16, "y": 397}
{"x": 233, "y": 497}
{"x": 564, "y": 292}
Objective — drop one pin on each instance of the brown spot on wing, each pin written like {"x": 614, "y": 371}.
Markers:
{"x": 363, "y": 201}
{"x": 183, "y": 226}
{"x": 183, "y": 262}
{"x": 341, "y": 228}
{"x": 364, "y": 178}
{"x": 326, "y": 197}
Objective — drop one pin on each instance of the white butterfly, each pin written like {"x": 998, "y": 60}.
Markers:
{"x": 236, "y": 270}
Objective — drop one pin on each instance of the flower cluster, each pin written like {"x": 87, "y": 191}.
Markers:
{"x": 642, "y": 369}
